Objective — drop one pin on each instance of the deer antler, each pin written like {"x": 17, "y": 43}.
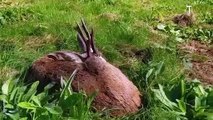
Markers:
{"x": 81, "y": 38}
{"x": 85, "y": 29}
{"x": 92, "y": 42}
{"x": 86, "y": 39}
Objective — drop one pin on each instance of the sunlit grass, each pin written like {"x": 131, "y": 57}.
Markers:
{"x": 38, "y": 27}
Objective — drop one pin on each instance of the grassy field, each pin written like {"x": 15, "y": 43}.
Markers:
{"x": 30, "y": 29}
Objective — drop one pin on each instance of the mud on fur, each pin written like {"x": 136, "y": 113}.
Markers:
{"x": 115, "y": 91}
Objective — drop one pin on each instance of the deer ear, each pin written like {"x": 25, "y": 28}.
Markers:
{"x": 52, "y": 56}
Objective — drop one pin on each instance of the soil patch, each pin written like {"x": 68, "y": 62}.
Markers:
{"x": 201, "y": 56}
{"x": 144, "y": 55}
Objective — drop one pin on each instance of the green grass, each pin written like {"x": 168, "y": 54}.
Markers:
{"x": 36, "y": 27}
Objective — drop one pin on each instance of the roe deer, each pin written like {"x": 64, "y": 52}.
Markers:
{"x": 115, "y": 91}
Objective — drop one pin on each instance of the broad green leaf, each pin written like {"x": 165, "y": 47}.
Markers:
{"x": 3, "y": 98}
{"x": 36, "y": 100}
{"x": 1, "y": 116}
{"x": 178, "y": 39}
{"x": 209, "y": 99}
{"x": 12, "y": 85}
{"x": 54, "y": 110}
{"x": 72, "y": 100}
{"x": 159, "y": 68}
{"x": 160, "y": 94}
{"x": 32, "y": 91}
{"x": 43, "y": 97}
{"x": 9, "y": 106}
{"x": 13, "y": 94}
{"x": 161, "y": 26}
{"x": 202, "y": 91}
{"x": 182, "y": 106}
{"x": 43, "y": 117}
{"x": 21, "y": 93}
{"x": 49, "y": 86}
{"x": 209, "y": 116}
{"x": 5, "y": 87}
{"x": 175, "y": 32}
{"x": 41, "y": 111}
{"x": 197, "y": 103}
{"x": 23, "y": 118}
{"x": 13, "y": 116}
{"x": 27, "y": 105}
{"x": 148, "y": 74}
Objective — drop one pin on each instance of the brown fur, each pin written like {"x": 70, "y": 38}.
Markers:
{"x": 184, "y": 20}
{"x": 115, "y": 92}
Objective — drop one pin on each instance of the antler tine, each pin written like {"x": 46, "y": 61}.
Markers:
{"x": 88, "y": 42}
{"x": 81, "y": 38}
{"x": 81, "y": 32}
{"x": 81, "y": 42}
{"x": 92, "y": 42}
{"x": 85, "y": 29}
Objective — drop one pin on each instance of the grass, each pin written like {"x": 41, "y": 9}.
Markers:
{"x": 33, "y": 28}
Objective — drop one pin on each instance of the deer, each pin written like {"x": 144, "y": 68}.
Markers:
{"x": 186, "y": 19}
{"x": 115, "y": 92}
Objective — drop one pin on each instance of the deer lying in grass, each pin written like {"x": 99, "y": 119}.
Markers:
{"x": 115, "y": 91}
{"x": 186, "y": 19}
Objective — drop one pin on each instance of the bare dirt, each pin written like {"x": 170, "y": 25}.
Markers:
{"x": 144, "y": 55}
{"x": 201, "y": 56}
